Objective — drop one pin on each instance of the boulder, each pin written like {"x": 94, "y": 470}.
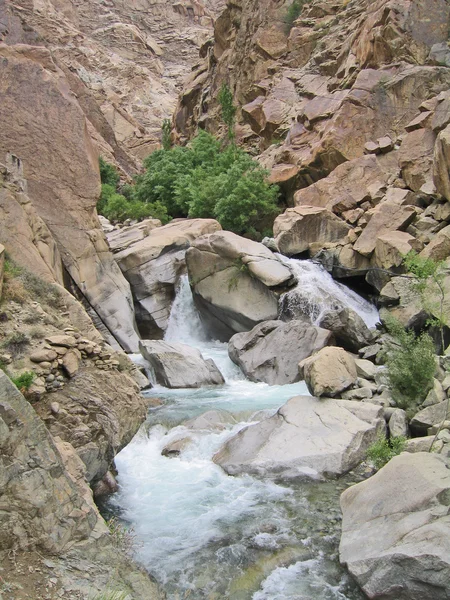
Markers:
{"x": 179, "y": 365}
{"x": 386, "y": 217}
{"x": 121, "y": 239}
{"x": 71, "y": 362}
{"x": 391, "y": 248}
{"x": 398, "y": 423}
{"x": 235, "y": 282}
{"x": 397, "y": 545}
{"x": 306, "y": 437}
{"x": 153, "y": 266}
{"x": 416, "y": 159}
{"x": 439, "y": 247}
{"x": 211, "y": 420}
{"x": 365, "y": 368}
{"x": 297, "y": 228}
{"x": 432, "y": 415}
{"x": 441, "y": 163}
{"x": 329, "y": 372}
{"x": 348, "y": 328}
{"x": 271, "y": 351}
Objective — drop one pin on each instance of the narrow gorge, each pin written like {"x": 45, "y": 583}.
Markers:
{"x": 225, "y": 300}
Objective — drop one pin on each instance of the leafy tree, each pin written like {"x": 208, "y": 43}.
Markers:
{"x": 166, "y": 130}
{"x": 204, "y": 180}
{"x": 228, "y": 109}
{"x": 108, "y": 173}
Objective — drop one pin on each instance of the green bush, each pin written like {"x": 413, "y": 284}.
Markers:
{"x": 293, "y": 13}
{"x": 108, "y": 174}
{"x": 381, "y": 451}
{"x": 411, "y": 363}
{"x": 110, "y": 595}
{"x": 166, "y": 130}
{"x": 23, "y": 381}
{"x": 227, "y": 108}
{"x": 204, "y": 180}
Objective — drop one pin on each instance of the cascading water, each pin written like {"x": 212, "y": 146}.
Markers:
{"x": 317, "y": 293}
{"x": 206, "y": 535}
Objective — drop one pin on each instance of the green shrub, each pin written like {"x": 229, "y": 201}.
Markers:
{"x": 411, "y": 363}
{"x": 166, "y": 130}
{"x": 23, "y": 381}
{"x": 381, "y": 451}
{"x": 204, "y": 180}
{"x": 108, "y": 174}
{"x": 293, "y": 13}
{"x": 16, "y": 342}
{"x": 228, "y": 110}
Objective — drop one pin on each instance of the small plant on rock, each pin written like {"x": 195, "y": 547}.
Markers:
{"x": 111, "y": 595}
{"x": 166, "y": 130}
{"x": 123, "y": 538}
{"x": 23, "y": 381}
{"x": 228, "y": 109}
{"x": 16, "y": 342}
{"x": 381, "y": 451}
{"x": 293, "y": 13}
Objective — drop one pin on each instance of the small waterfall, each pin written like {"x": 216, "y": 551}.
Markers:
{"x": 185, "y": 325}
{"x": 316, "y": 293}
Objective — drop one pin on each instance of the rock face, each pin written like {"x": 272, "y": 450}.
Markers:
{"x": 179, "y": 365}
{"x": 348, "y": 328}
{"x": 62, "y": 182}
{"x": 153, "y": 266}
{"x": 40, "y": 503}
{"x": 124, "y": 62}
{"x": 398, "y": 545}
{"x": 306, "y": 437}
{"x": 235, "y": 281}
{"x": 329, "y": 372}
{"x": 271, "y": 351}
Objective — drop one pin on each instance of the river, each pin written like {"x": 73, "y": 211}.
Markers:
{"x": 206, "y": 535}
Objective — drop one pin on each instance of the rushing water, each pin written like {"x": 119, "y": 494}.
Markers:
{"x": 206, "y": 535}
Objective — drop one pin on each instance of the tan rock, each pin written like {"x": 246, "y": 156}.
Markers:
{"x": 2, "y": 262}
{"x": 43, "y": 355}
{"x": 392, "y": 247}
{"x": 67, "y": 341}
{"x": 387, "y": 216}
{"x": 120, "y": 239}
{"x": 441, "y": 163}
{"x": 439, "y": 247}
{"x": 71, "y": 362}
{"x": 329, "y": 371}
{"x": 297, "y": 228}
{"x": 416, "y": 158}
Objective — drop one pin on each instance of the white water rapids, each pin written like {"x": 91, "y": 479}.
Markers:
{"x": 206, "y": 535}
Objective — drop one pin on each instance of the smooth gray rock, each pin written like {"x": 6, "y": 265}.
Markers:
{"x": 271, "y": 351}
{"x": 349, "y": 329}
{"x": 396, "y": 530}
{"x": 432, "y": 415}
{"x": 211, "y": 420}
{"x": 398, "y": 423}
{"x": 179, "y": 365}
{"x": 306, "y": 437}
{"x": 235, "y": 282}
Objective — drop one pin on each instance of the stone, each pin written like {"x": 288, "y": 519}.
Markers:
{"x": 71, "y": 362}
{"x": 439, "y": 247}
{"x": 67, "y": 341}
{"x": 179, "y": 366}
{"x": 426, "y": 418}
{"x": 398, "y": 424}
{"x": 235, "y": 282}
{"x": 2, "y": 264}
{"x": 387, "y": 216}
{"x": 362, "y": 393}
{"x": 329, "y": 372}
{"x": 365, "y": 368}
{"x": 441, "y": 163}
{"x": 121, "y": 239}
{"x": 297, "y": 228}
{"x": 153, "y": 266}
{"x": 307, "y": 437}
{"x": 43, "y": 355}
{"x": 435, "y": 395}
{"x": 391, "y": 248}
{"x": 420, "y": 444}
{"x": 211, "y": 420}
{"x": 175, "y": 447}
{"x": 272, "y": 350}
{"x": 396, "y": 545}
{"x": 348, "y": 328}
{"x": 416, "y": 158}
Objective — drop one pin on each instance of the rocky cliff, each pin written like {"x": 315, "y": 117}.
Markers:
{"x": 124, "y": 61}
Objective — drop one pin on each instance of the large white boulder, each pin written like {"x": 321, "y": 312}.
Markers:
{"x": 236, "y": 282}
{"x": 271, "y": 351}
{"x": 179, "y": 365}
{"x": 306, "y": 437}
{"x": 396, "y": 530}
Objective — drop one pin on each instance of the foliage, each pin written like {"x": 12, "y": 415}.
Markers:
{"x": 108, "y": 174}
{"x": 411, "y": 364}
{"x": 228, "y": 109}
{"x": 122, "y": 537}
{"x": 293, "y": 13}
{"x": 429, "y": 278}
{"x": 166, "y": 130}
{"x": 16, "y": 342}
{"x": 204, "y": 180}
{"x": 117, "y": 207}
{"x": 23, "y": 381}
{"x": 381, "y": 451}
